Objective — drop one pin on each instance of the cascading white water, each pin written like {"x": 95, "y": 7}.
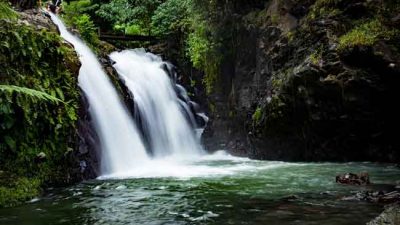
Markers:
{"x": 162, "y": 113}
{"x": 121, "y": 145}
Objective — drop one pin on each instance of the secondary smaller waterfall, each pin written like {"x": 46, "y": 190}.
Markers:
{"x": 167, "y": 121}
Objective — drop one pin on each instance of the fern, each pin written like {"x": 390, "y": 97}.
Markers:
{"x": 30, "y": 92}
{"x": 6, "y": 12}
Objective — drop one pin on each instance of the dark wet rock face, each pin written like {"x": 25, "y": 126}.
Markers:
{"x": 87, "y": 158}
{"x": 303, "y": 88}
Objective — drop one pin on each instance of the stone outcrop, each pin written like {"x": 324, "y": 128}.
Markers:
{"x": 303, "y": 84}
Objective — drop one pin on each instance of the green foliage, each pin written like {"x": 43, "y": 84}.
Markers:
{"x": 281, "y": 79}
{"x": 324, "y": 8}
{"x": 290, "y": 36}
{"x": 76, "y": 16}
{"x": 124, "y": 13}
{"x": 77, "y": 8}
{"x": 6, "y": 12}
{"x": 198, "y": 46}
{"x": 35, "y": 76}
{"x": 171, "y": 16}
{"x": 365, "y": 34}
{"x": 133, "y": 29}
{"x": 257, "y": 115}
{"x": 17, "y": 190}
{"x": 316, "y": 56}
{"x": 86, "y": 29}
{"x": 204, "y": 45}
{"x": 203, "y": 55}
{"x": 189, "y": 22}
{"x": 29, "y": 92}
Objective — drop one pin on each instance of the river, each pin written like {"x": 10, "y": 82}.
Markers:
{"x": 216, "y": 189}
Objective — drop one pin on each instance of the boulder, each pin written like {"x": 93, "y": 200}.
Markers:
{"x": 353, "y": 179}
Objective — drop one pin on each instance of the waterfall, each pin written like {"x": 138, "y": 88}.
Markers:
{"x": 164, "y": 127}
{"x": 121, "y": 145}
{"x": 167, "y": 121}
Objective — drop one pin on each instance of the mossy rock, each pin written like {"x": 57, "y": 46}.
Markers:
{"x": 35, "y": 62}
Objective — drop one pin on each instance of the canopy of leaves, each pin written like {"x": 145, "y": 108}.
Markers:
{"x": 127, "y": 12}
{"x": 171, "y": 16}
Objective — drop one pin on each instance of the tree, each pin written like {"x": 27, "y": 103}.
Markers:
{"x": 171, "y": 16}
{"x": 124, "y": 13}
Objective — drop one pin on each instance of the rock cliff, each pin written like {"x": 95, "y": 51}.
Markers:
{"x": 309, "y": 80}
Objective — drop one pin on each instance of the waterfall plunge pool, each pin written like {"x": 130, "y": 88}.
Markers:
{"x": 216, "y": 189}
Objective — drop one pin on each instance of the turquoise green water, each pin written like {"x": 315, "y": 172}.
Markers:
{"x": 212, "y": 191}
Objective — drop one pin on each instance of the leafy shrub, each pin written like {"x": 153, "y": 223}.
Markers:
{"x": 76, "y": 15}
{"x": 86, "y": 29}
{"x": 6, "y": 12}
{"x": 77, "y": 8}
{"x": 198, "y": 46}
{"x": 203, "y": 54}
{"x": 127, "y": 12}
{"x": 171, "y": 16}
{"x": 133, "y": 29}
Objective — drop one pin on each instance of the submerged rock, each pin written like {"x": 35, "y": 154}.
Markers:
{"x": 351, "y": 178}
{"x": 375, "y": 197}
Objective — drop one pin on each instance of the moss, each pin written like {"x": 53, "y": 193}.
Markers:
{"x": 18, "y": 190}
{"x": 365, "y": 34}
{"x": 324, "y": 8}
{"x": 257, "y": 115}
{"x": 281, "y": 79}
{"x": 290, "y": 36}
{"x": 316, "y": 57}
